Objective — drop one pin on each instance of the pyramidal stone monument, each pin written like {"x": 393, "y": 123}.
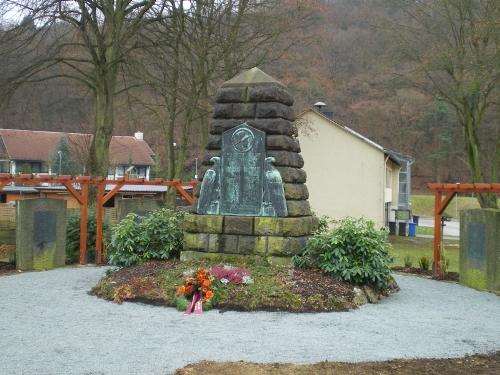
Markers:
{"x": 252, "y": 199}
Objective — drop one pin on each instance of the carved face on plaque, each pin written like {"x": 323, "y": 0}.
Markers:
{"x": 242, "y": 171}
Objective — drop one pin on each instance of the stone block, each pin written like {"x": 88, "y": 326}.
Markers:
{"x": 276, "y": 126}
{"x": 232, "y": 95}
{"x": 203, "y": 223}
{"x": 295, "y": 191}
{"x": 480, "y": 249}
{"x": 269, "y": 226}
{"x": 213, "y": 243}
{"x": 238, "y": 225}
{"x": 286, "y": 158}
{"x": 297, "y": 226}
{"x": 223, "y": 110}
{"x": 214, "y": 142}
{"x": 244, "y": 110}
{"x": 298, "y": 208}
{"x": 282, "y": 142}
{"x": 194, "y": 206}
{"x": 195, "y": 241}
{"x": 246, "y": 245}
{"x": 214, "y": 257}
{"x": 286, "y": 246}
{"x": 270, "y": 93}
{"x": 292, "y": 175}
{"x": 138, "y": 206}
{"x": 228, "y": 243}
{"x": 260, "y": 247}
{"x": 274, "y": 110}
{"x": 40, "y": 234}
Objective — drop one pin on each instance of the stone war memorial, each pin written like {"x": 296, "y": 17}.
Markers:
{"x": 480, "y": 248}
{"x": 40, "y": 234}
{"x": 252, "y": 200}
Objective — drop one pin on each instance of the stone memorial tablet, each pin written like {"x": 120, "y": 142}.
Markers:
{"x": 44, "y": 231}
{"x": 242, "y": 171}
{"x": 477, "y": 245}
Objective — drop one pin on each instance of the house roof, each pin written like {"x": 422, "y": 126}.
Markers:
{"x": 387, "y": 152}
{"x": 41, "y": 146}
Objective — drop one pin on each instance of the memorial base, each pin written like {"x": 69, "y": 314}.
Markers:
{"x": 238, "y": 237}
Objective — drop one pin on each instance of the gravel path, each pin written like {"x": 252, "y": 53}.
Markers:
{"x": 49, "y": 325}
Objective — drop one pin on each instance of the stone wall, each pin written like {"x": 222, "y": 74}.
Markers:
{"x": 480, "y": 249}
{"x": 265, "y": 104}
{"x": 40, "y": 234}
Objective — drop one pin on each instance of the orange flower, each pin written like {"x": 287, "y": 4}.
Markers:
{"x": 205, "y": 283}
{"x": 208, "y": 295}
{"x": 180, "y": 291}
{"x": 188, "y": 289}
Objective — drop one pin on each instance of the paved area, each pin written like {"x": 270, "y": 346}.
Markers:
{"x": 50, "y": 325}
{"x": 451, "y": 229}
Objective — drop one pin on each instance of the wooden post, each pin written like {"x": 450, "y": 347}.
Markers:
{"x": 99, "y": 213}
{"x": 436, "y": 266}
{"x": 83, "y": 223}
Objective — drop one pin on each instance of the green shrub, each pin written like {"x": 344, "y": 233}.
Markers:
{"x": 138, "y": 239}
{"x": 424, "y": 263}
{"x": 353, "y": 250}
{"x": 408, "y": 261}
{"x": 73, "y": 236}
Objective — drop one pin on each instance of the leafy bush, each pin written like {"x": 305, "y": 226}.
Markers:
{"x": 353, "y": 250}
{"x": 408, "y": 261}
{"x": 73, "y": 236}
{"x": 424, "y": 263}
{"x": 138, "y": 239}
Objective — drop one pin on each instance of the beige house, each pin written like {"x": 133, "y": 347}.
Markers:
{"x": 347, "y": 173}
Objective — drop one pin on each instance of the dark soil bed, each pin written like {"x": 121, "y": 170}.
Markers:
{"x": 274, "y": 288}
{"x": 7, "y": 268}
{"x": 449, "y": 276}
{"x": 473, "y": 365}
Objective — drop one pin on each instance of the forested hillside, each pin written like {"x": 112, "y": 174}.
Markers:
{"x": 343, "y": 53}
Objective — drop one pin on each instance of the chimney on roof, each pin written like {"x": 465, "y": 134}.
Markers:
{"x": 321, "y": 108}
{"x": 139, "y": 135}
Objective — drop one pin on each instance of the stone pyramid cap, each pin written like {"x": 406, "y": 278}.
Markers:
{"x": 252, "y": 77}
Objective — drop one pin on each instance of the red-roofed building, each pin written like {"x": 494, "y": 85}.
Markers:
{"x": 35, "y": 150}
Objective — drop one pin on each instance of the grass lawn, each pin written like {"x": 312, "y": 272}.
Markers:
{"x": 417, "y": 248}
{"x": 423, "y": 205}
{"x": 425, "y": 230}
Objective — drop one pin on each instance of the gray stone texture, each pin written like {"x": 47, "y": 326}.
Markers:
{"x": 265, "y": 104}
{"x": 480, "y": 249}
{"x": 40, "y": 234}
{"x": 139, "y": 206}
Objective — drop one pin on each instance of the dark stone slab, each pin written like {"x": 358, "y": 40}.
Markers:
{"x": 477, "y": 245}
{"x": 238, "y": 225}
{"x": 270, "y": 94}
{"x": 228, "y": 243}
{"x": 231, "y": 94}
{"x": 274, "y": 110}
{"x": 244, "y": 110}
{"x": 282, "y": 142}
{"x": 271, "y": 126}
{"x": 223, "y": 110}
{"x": 298, "y": 208}
{"x": 292, "y": 175}
{"x": 286, "y": 158}
{"x": 296, "y": 191}
{"x": 246, "y": 245}
{"x": 40, "y": 234}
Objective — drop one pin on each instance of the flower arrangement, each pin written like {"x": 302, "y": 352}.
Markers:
{"x": 230, "y": 274}
{"x": 199, "y": 286}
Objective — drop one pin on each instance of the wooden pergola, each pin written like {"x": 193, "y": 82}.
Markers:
{"x": 78, "y": 187}
{"x": 443, "y": 195}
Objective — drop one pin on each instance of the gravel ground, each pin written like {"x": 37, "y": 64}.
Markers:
{"x": 49, "y": 325}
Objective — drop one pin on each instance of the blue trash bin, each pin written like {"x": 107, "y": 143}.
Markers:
{"x": 412, "y": 229}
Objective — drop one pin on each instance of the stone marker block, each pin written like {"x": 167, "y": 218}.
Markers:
{"x": 480, "y": 249}
{"x": 238, "y": 225}
{"x": 203, "y": 223}
{"x": 138, "y": 206}
{"x": 40, "y": 234}
{"x": 268, "y": 226}
{"x": 296, "y": 191}
{"x": 298, "y": 208}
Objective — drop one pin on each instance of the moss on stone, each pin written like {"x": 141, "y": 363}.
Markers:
{"x": 46, "y": 260}
{"x": 474, "y": 278}
{"x": 272, "y": 226}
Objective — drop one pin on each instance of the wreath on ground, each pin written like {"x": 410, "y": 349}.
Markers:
{"x": 203, "y": 283}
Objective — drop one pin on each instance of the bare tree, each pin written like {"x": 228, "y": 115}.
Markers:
{"x": 452, "y": 51}
{"x": 83, "y": 40}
